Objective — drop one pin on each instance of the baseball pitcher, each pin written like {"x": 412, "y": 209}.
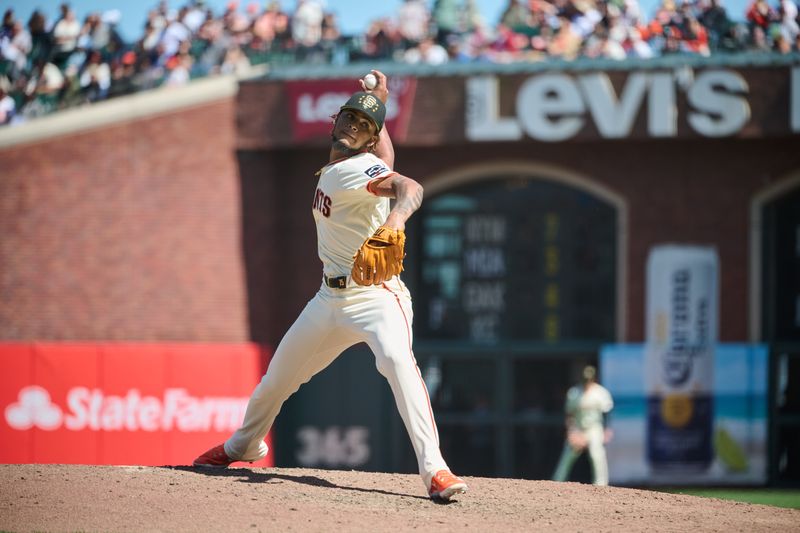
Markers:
{"x": 360, "y": 241}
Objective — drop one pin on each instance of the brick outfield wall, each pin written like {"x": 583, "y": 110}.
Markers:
{"x": 129, "y": 232}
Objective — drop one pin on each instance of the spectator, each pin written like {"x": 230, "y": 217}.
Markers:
{"x": 457, "y": 53}
{"x": 95, "y": 78}
{"x": 161, "y": 16}
{"x": 413, "y": 19}
{"x": 15, "y": 47}
{"x": 179, "y": 69}
{"x": 65, "y": 36}
{"x": 567, "y": 43}
{"x": 382, "y": 40}
{"x": 46, "y": 79}
{"x": 149, "y": 41}
{"x": 471, "y": 18}
{"x": 174, "y": 35}
{"x": 331, "y": 35}
{"x": 428, "y": 52}
{"x": 446, "y": 20}
{"x": 41, "y": 40}
{"x": 761, "y": 15}
{"x": 266, "y": 25}
{"x": 106, "y": 37}
{"x": 307, "y": 23}
{"x": 195, "y": 15}
{"x": 7, "y": 104}
{"x": 638, "y": 47}
{"x": 8, "y": 23}
{"x": 789, "y": 30}
{"x": 715, "y": 20}
{"x": 696, "y": 38}
{"x": 600, "y": 45}
{"x": 235, "y": 62}
{"x": 515, "y": 16}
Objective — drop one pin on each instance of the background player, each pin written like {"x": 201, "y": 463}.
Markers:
{"x": 586, "y": 407}
{"x": 350, "y": 207}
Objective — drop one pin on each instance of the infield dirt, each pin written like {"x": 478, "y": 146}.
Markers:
{"x": 176, "y": 499}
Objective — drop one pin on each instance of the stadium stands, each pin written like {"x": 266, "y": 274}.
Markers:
{"x": 46, "y": 66}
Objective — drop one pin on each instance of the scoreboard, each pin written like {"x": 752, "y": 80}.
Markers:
{"x": 515, "y": 259}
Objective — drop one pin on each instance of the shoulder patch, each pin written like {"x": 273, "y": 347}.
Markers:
{"x": 375, "y": 171}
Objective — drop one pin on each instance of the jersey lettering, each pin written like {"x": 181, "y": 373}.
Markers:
{"x": 322, "y": 202}
{"x": 375, "y": 170}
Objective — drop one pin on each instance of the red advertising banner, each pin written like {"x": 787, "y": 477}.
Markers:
{"x": 123, "y": 404}
{"x": 314, "y": 102}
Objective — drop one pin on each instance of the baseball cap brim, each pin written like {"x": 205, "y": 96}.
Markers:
{"x": 369, "y": 106}
{"x": 365, "y": 115}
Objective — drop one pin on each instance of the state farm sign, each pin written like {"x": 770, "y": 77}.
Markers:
{"x": 143, "y": 404}
{"x": 95, "y": 410}
{"x": 557, "y": 106}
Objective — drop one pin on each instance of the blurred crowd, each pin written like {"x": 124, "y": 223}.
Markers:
{"x": 51, "y": 64}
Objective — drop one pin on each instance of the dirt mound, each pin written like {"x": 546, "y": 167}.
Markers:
{"x": 134, "y": 498}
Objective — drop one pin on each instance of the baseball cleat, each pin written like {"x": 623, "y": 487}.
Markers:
{"x": 444, "y": 485}
{"x": 214, "y": 458}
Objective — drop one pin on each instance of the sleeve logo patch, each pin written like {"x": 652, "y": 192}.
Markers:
{"x": 375, "y": 171}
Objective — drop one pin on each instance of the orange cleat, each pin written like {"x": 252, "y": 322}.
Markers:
{"x": 214, "y": 458}
{"x": 444, "y": 485}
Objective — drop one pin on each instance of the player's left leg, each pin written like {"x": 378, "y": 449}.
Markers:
{"x": 386, "y": 328}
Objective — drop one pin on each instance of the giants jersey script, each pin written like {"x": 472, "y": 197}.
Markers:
{"x": 345, "y": 211}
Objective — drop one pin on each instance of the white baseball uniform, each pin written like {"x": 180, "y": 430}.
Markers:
{"x": 346, "y": 213}
{"x": 586, "y": 407}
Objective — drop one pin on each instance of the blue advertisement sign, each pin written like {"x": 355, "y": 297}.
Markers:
{"x": 738, "y": 410}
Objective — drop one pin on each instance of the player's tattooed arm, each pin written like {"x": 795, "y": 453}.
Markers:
{"x": 408, "y": 198}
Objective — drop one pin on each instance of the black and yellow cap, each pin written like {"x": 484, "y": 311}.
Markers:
{"x": 369, "y": 105}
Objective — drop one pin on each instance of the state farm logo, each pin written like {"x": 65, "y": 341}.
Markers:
{"x": 92, "y": 409}
{"x": 33, "y": 410}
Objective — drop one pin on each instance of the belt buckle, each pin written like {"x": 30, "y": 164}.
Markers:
{"x": 339, "y": 282}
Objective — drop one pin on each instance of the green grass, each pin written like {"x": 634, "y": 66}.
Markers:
{"x": 789, "y": 498}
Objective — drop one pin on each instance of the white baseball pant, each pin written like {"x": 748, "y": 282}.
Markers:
{"x": 332, "y": 321}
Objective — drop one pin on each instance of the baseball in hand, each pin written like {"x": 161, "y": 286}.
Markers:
{"x": 370, "y": 81}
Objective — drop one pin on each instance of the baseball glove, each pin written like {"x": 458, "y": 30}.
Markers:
{"x": 380, "y": 257}
{"x": 576, "y": 439}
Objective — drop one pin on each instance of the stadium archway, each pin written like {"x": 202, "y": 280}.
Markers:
{"x": 775, "y": 316}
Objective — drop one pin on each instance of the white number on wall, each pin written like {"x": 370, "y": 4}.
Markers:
{"x": 334, "y": 446}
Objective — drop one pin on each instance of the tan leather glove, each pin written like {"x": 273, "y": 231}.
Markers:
{"x": 380, "y": 257}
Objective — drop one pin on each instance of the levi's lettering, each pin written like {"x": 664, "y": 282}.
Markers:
{"x": 375, "y": 171}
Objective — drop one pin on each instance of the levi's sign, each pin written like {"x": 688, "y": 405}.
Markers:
{"x": 556, "y": 106}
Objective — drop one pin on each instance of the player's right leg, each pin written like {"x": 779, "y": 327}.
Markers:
{"x": 309, "y": 346}
{"x": 568, "y": 456}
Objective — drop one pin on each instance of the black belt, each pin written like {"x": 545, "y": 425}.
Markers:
{"x": 339, "y": 282}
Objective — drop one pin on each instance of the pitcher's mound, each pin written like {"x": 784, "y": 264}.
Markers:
{"x": 134, "y": 498}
